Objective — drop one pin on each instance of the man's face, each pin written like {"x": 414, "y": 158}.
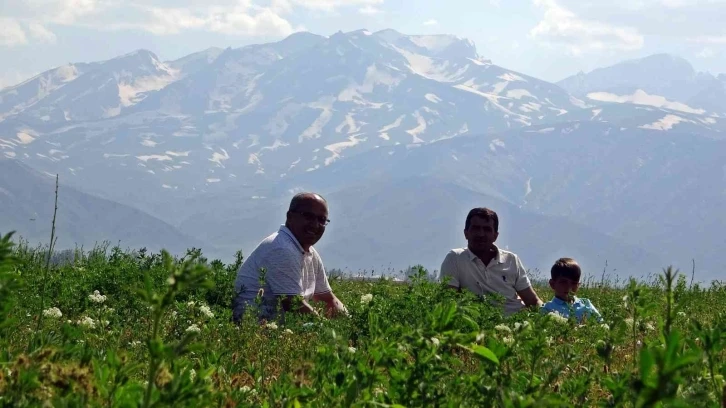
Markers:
{"x": 308, "y": 221}
{"x": 564, "y": 288}
{"x": 481, "y": 234}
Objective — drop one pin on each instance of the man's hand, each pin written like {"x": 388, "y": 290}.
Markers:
{"x": 333, "y": 306}
{"x": 305, "y": 308}
{"x": 529, "y": 297}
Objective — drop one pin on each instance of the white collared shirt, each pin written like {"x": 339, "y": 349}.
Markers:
{"x": 504, "y": 275}
{"x": 289, "y": 270}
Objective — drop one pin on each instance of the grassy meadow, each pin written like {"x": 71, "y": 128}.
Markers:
{"x": 116, "y": 328}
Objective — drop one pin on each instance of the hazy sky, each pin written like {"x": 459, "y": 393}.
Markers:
{"x": 549, "y": 39}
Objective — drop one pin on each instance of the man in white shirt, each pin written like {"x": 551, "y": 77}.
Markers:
{"x": 292, "y": 266}
{"x": 483, "y": 268}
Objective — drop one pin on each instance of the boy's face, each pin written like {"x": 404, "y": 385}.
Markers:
{"x": 565, "y": 288}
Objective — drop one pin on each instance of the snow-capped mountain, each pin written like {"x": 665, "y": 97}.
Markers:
{"x": 215, "y": 142}
{"x": 660, "y": 80}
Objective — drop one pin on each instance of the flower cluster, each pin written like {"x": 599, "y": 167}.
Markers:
{"x": 365, "y": 299}
{"x": 53, "y": 312}
{"x": 97, "y": 297}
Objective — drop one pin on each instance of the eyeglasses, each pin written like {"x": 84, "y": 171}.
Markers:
{"x": 310, "y": 217}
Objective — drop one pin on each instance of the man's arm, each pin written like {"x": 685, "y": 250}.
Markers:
{"x": 448, "y": 269}
{"x": 287, "y": 303}
{"x": 334, "y": 307}
{"x": 529, "y": 297}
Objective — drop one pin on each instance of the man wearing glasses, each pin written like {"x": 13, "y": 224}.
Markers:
{"x": 292, "y": 267}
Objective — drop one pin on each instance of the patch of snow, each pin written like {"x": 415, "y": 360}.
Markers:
{"x": 477, "y": 62}
{"x": 295, "y": 163}
{"x": 219, "y": 157}
{"x": 429, "y": 68}
{"x": 10, "y": 154}
{"x": 545, "y": 130}
{"x": 166, "y": 186}
{"x": 528, "y": 187}
{"x": 595, "y": 113}
{"x": 665, "y": 123}
{"x": 148, "y": 143}
{"x": 641, "y": 97}
{"x": 316, "y": 128}
{"x": 45, "y": 118}
{"x": 109, "y": 155}
{"x": 133, "y": 93}
{"x": 373, "y": 77}
{"x": 383, "y": 132}
{"x": 510, "y": 77}
{"x": 519, "y": 94}
{"x": 350, "y": 123}
{"x": 178, "y": 154}
{"x": 418, "y": 129}
{"x": 213, "y": 180}
{"x": 709, "y": 121}
{"x": 496, "y": 143}
{"x": 336, "y": 148}
{"x": 24, "y": 138}
{"x": 434, "y": 43}
{"x": 317, "y": 166}
{"x": 560, "y": 111}
{"x": 275, "y": 145}
{"x": 432, "y": 98}
{"x": 157, "y": 157}
{"x": 453, "y": 156}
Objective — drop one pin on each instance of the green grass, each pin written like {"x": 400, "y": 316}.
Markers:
{"x": 417, "y": 344}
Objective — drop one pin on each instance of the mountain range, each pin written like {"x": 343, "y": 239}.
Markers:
{"x": 403, "y": 134}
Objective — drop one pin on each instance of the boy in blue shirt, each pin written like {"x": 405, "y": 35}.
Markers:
{"x": 565, "y": 282}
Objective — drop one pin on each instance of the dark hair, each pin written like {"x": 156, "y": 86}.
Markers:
{"x": 484, "y": 213}
{"x": 567, "y": 268}
{"x": 300, "y": 198}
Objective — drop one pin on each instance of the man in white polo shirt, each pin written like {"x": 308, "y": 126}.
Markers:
{"x": 483, "y": 268}
{"x": 292, "y": 266}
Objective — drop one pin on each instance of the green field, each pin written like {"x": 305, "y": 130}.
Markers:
{"x": 158, "y": 333}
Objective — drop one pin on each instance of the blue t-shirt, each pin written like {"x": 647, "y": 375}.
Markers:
{"x": 582, "y": 308}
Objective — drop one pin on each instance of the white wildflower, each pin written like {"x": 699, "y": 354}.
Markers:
{"x": 193, "y": 329}
{"x": 402, "y": 348}
{"x": 97, "y": 297}
{"x": 135, "y": 343}
{"x": 245, "y": 389}
{"x": 288, "y": 331}
{"x": 365, "y": 299}
{"x": 508, "y": 340}
{"x": 550, "y": 341}
{"x": 351, "y": 349}
{"x": 174, "y": 314}
{"x": 271, "y": 326}
{"x": 192, "y": 374}
{"x": 170, "y": 280}
{"x": 605, "y": 326}
{"x": 87, "y": 322}
{"x": 629, "y": 321}
{"x": 682, "y": 314}
{"x": 649, "y": 326}
{"x": 639, "y": 343}
{"x": 503, "y": 328}
{"x": 206, "y": 311}
{"x": 524, "y": 325}
{"x": 479, "y": 337}
{"x": 435, "y": 341}
{"x": 69, "y": 321}
{"x": 558, "y": 318}
{"x": 53, "y": 312}
{"x": 191, "y": 303}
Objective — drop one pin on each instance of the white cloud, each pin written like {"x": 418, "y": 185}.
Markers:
{"x": 369, "y": 10}
{"x": 39, "y": 32}
{"x": 561, "y": 26}
{"x": 705, "y": 53}
{"x": 431, "y": 22}
{"x": 709, "y": 39}
{"x": 331, "y": 5}
{"x": 11, "y": 33}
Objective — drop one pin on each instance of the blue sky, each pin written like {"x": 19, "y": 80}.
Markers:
{"x": 549, "y": 39}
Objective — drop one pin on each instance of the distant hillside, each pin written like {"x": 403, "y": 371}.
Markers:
{"x": 26, "y": 206}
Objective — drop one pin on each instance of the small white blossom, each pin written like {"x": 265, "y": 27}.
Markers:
{"x": 480, "y": 337}
{"x": 550, "y": 341}
{"x": 682, "y": 314}
{"x": 191, "y": 303}
{"x": 245, "y": 389}
{"x": 97, "y": 297}
{"x": 508, "y": 340}
{"x": 206, "y": 311}
{"x": 193, "y": 329}
{"x": 365, "y": 299}
{"x": 351, "y": 349}
{"x": 135, "y": 343}
{"x": 435, "y": 341}
{"x": 605, "y": 326}
{"x": 87, "y": 322}
{"x": 524, "y": 325}
{"x": 271, "y": 326}
{"x": 53, "y": 312}
{"x": 170, "y": 280}
{"x": 558, "y": 318}
{"x": 288, "y": 331}
{"x": 503, "y": 328}
{"x": 629, "y": 321}
{"x": 649, "y": 327}
{"x": 192, "y": 374}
